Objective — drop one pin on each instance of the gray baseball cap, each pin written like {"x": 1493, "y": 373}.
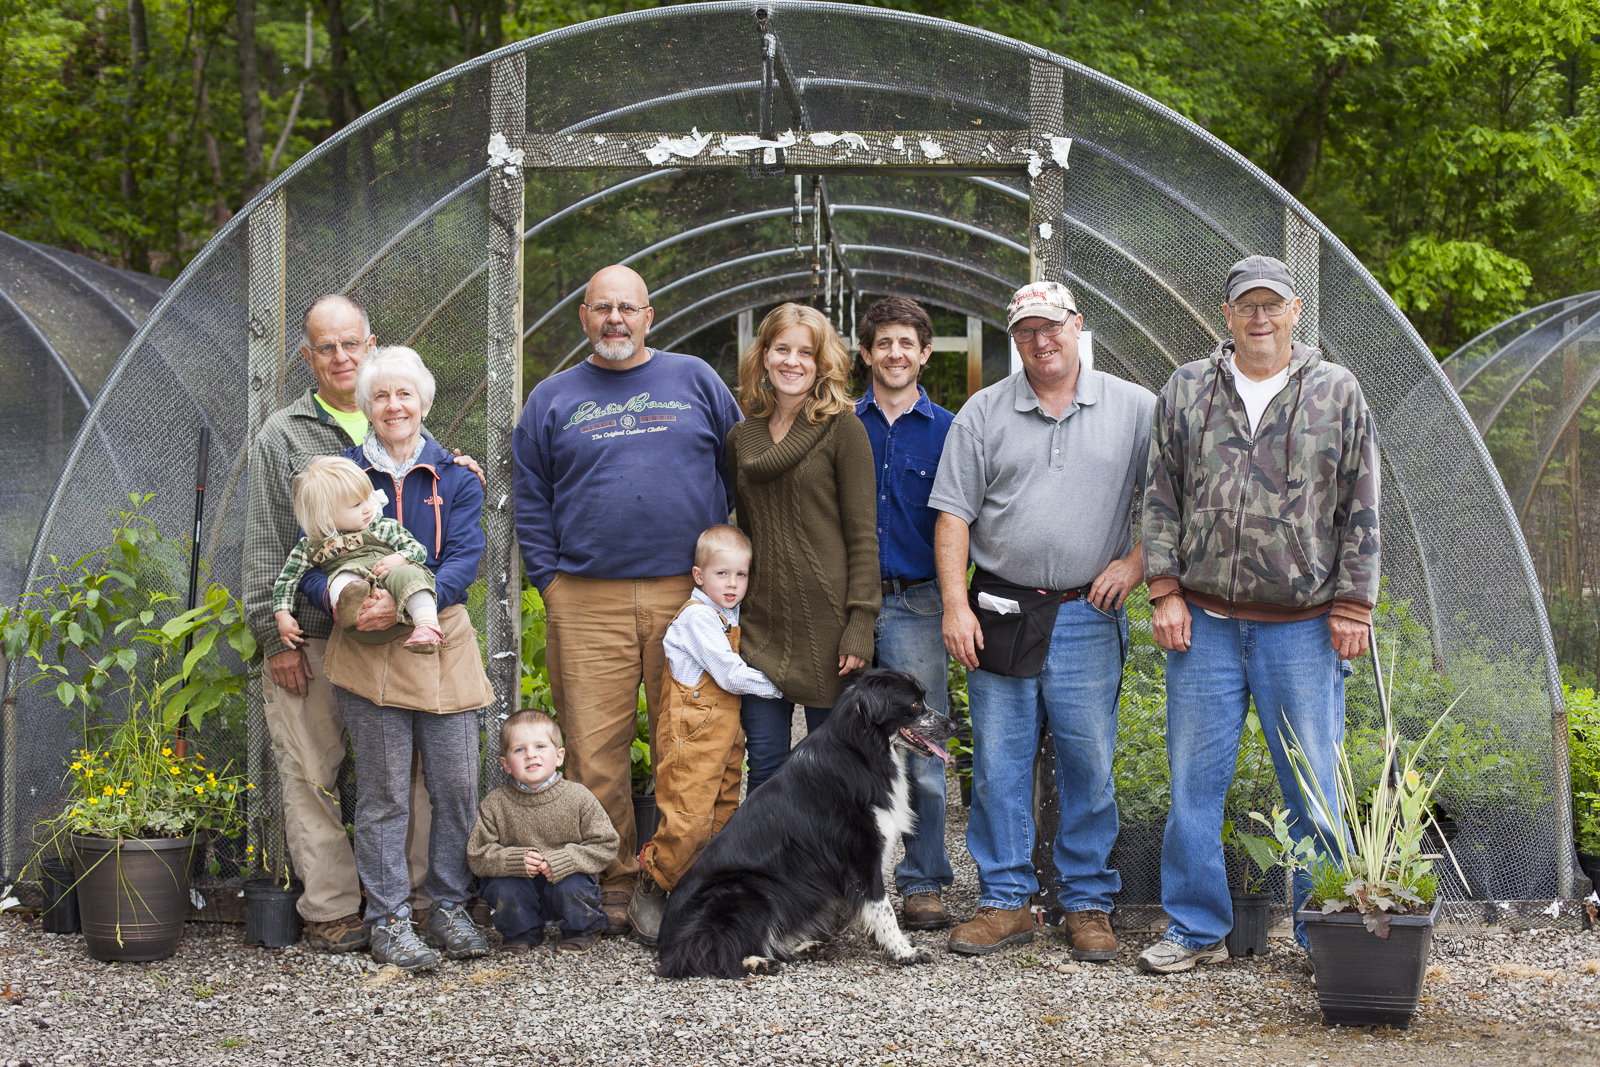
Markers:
{"x": 1260, "y": 272}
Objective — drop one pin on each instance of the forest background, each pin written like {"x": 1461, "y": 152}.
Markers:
{"x": 1453, "y": 145}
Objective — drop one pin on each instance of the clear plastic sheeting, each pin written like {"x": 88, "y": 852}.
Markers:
{"x": 449, "y": 243}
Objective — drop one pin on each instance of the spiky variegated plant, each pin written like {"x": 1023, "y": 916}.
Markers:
{"x": 1380, "y": 868}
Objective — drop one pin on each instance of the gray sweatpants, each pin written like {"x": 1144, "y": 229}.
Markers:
{"x": 383, "y": 739}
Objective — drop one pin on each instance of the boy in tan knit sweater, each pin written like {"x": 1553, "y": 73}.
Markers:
{"x": 539, "y": 842}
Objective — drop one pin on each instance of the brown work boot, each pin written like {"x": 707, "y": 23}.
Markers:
{"x": 1091, "y": 935}
{"x": 614, "y": 902}
{"x": 924, "y": 911}
{"x": 348, "y": 934}
{"x": 991, "y": 930}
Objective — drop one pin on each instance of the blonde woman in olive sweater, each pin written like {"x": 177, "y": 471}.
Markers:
{"x": 803, "y": 484}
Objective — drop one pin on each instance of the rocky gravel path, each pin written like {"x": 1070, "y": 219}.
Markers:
{"x": 1500, "y": 998}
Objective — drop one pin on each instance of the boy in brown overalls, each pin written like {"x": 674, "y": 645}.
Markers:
{"x": 700, "y": 754}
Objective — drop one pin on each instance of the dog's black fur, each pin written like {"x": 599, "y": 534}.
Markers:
{"x": 810, "y": 843}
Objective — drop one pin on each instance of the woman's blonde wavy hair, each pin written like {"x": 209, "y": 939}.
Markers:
{"x": 830, "y": 393}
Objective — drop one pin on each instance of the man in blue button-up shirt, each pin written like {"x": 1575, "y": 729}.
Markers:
{"x": 907, "y": 431}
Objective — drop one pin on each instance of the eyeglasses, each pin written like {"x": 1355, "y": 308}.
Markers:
{"x": 604, "y": 310}
{"x": 1023, "y": 335}
{"x": 1274, "y": 310}
{"x": 350, "y": 348}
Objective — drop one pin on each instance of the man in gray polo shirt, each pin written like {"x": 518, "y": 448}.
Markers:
{"x": 1036, "y": 487}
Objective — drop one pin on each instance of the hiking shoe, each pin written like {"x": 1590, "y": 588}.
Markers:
{"x": 1169, "y": 957}
{"x": 451, "y": 930}
{"x": 577, "y": 944}
{"x": 351, "y": 597}
{"x": 615, "y": 903}
{"x": 1091, "y": 935}
{"x": 338, "y": 935}
{"x": 649, "y": 903}
{"x": 991, "y": 930}
{"x": 424, "y": 640}
{"x": 393, "y": 941}
{"x": 924, "y": 911}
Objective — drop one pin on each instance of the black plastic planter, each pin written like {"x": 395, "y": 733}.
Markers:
{"x": 270, "y": 916}
{"x": 646, "y": 816}
{"x": 1364, "y": 979}
{"x": 60, "y": 896}
{"x": 1252, "y": 916}
{"x": 1591, "y": 867}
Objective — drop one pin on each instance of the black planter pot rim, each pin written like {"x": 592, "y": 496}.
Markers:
{"x": 1241, "y": 897}
{"x": 96, "y": 843}
{"x": 267, "y": 883}
{"x": 1351, "y": 917}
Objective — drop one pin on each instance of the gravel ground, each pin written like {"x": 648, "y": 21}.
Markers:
{"x": 1493, "y": 998}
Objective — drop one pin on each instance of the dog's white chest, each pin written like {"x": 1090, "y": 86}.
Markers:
{"x": 897, "y": 818}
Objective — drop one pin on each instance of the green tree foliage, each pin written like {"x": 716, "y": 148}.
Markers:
{"x": 1454, "y": 145}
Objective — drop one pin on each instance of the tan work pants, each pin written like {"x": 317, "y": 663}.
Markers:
{"x": 308, "y": 743}
{"x": 697, "y": 775}
{"x": 602, "y": 638}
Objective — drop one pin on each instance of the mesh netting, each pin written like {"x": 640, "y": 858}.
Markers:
{"x": 400, "y": 211}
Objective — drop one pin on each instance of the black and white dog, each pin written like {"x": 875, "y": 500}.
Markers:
{"x": 810, "y": 844}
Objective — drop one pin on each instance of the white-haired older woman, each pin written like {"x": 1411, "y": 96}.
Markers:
{"x": 395, "y": 704}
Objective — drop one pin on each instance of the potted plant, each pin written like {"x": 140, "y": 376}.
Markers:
{"x": 1374, "y": 900}
{"x": 271, "y": 899}
{"x": 136, "y": 803}
{"x": 1251, "y": 860}
{"x": 646, "y": 815}
{"x": 1144, "y": 790}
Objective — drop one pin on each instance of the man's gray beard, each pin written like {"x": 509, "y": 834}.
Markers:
{"x": 615, "y": 350}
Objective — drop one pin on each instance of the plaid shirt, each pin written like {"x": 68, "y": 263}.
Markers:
{"x": 287, "y": 441}
{"x": 308, "y": 554}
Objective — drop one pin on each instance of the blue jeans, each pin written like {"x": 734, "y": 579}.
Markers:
{"x": 1075, "y": 696}
{"x": 911, "y": 639}
{"x": 1292, "y": 671}
{"x": 524, "y": 906}
{"x": 766, "y": 725}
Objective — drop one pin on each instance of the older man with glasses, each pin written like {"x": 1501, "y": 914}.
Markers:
{"x": 1036, "y": 487}
{"x": 1261, "y": 547}
{"x": 619, "y": 467}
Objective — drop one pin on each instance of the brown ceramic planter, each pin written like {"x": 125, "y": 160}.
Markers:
{"x": 132, "y": 894}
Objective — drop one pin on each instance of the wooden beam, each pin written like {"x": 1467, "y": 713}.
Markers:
{"x": 1007, "y": 152}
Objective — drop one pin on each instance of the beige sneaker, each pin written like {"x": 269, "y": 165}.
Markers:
{"x": 991, "y": 930}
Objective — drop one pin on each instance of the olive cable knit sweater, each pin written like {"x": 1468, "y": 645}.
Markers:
{"x": 563, "y": 822}
{"x": 809, "y": 504}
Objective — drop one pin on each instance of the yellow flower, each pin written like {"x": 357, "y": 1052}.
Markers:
{"x": 89, "y": 773}
{"x": 77, "y": 766}
{"x": 94, "y": 800}
{"x": 250, "y": 785}
{"x": 127, "y": 785}
{"x": 77, "y": 811}
{"x": 199, "y": 789}
{"x": 250, "y": 848}
{"x": 122, "y": 792}
{"x": 166, "y": 752}
{"x": 109, "y": 790}
{"x": 171, "y": 768}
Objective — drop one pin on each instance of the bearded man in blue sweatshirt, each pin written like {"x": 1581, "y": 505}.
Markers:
{"x": 619, "y": 466}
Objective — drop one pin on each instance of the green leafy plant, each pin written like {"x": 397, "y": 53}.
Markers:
{"x": 1583, "y": 746}
{"x": 102, "y": 628}
{"x": 1254, "y": 782}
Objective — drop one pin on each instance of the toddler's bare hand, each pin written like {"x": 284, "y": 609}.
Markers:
{"x": 387, "y": 564}
{"x": 289, "y": 631}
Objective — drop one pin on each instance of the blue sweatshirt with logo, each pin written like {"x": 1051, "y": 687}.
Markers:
{"x": 616, "y": 473}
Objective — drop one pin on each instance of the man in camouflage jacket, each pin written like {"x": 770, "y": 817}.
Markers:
{"x": 1261, "y": 552}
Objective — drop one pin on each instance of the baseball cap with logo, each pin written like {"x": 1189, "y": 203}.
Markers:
{"x": 1040, "y": 300}
{"x": 1260, "y": 272}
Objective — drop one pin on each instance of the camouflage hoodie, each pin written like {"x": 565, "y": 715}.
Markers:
{"x": 1278, "y": 527}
